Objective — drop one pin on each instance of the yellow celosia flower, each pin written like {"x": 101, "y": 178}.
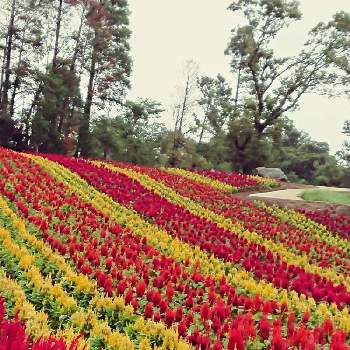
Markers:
{"x": 78, "y": 319}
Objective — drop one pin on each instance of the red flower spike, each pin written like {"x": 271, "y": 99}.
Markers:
{"x": 235, "y": 340}
{"x": 148, "y": 313}
{"x": 140, "y": 288}
{"x": 264, "y": 328}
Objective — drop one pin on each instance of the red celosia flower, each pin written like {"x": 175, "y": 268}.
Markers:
{"x": 179, "y": 314}
{"x": 217, "y": 345}
{"x": 169, "y": 317}
{"x": 235, "y": 340}
{"x": 157, "y": 317}
{"x": 338, "y": 341}
{"x": 148, "y": 313}
{"x": 328, "y": 326}
{"x": 205, "y": 312}
{"x": 163, "y": 306}
{"x": 306, "y": 316}
{"x": 264, "y": 328}
{"x": 128, "y": 296}
{"x": 182, "y": 329}
{"x": 109, "y": 263}
{"x": 140, "y": 288}
{"x": 170, "y": 292}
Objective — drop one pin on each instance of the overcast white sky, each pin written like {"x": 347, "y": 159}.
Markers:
{"x": 166, "y": 33}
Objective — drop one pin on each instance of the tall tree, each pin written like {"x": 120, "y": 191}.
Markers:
{"x": 22, "y": 50}
{"x": 271, "y": 86}
{"x": 216, "y": 102}
{"x": 338, "y": 29}
{"x": 344, "y": 154}
{"x": 109, "y": 64}
{"x": 55, "y": 84}
{"x": 6, "y": 69}
{"x": 184, "y": 110}
{"x": 133, "y": 135}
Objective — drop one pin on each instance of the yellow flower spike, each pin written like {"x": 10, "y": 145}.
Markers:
{"x": 128, "y": 311}
{"x": 69, "y": 335}
{"x": 78, "y": 319}
{"x": 36, "y": 322}
{"x": 202, "y": 179}
{"x": 145, "y": 345}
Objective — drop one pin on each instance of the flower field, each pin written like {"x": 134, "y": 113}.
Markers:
{"x": 106, "y": 255}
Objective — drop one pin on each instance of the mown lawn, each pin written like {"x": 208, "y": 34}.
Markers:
{"x": 327, "y": 196}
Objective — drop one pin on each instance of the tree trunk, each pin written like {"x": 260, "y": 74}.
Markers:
{"x": 65, "y": 108}
{"x": 203, "y": 124}
{"x": 83, "y": 137}
{"x": 3, "y": 68}
{"x": 7, "y": 70}
{"x": 237, "y": 89}
{"x": 105, "y": 152}
{"x": 13, "y": 97}
{"x": 34, "y": 102}
{"x": 184, "y": 104}
{"x": 202, "y": 131}
{"x": 57, "y": 34}
{"x": 17, "y": 81}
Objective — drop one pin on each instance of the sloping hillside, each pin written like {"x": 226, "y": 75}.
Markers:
{"x": 119, "y": 256}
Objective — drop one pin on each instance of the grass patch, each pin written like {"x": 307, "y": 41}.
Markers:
{"x": 328, "y": 196}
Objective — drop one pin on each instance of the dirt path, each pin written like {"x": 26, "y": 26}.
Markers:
{"x": 292, "y": 202}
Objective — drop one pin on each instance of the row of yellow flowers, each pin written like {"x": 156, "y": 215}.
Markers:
{"x": 82, "y": 282}
{"x": 285, "y": 253}
{"x": 309, "y": 226}
{"x": 183, "y": 252}
{"x": 266, "y": 182}
{"x": 202, "y": 179}
{"x": 170, "y": 339}
{"x": 79, "y": 317}
{"x": 33, "y": 274}
{"x": 36, "y": 321}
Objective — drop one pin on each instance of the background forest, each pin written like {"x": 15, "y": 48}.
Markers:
{"x": 65, "y": 74}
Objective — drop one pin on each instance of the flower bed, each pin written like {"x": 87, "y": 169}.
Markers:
{"x": 237, "y": 180}
{"x": 127, "y": 267}
{"x": 254, "y": 218}
{"x": 339, "y": 224}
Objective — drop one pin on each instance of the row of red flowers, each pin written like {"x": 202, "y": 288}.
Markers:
{"x": 195, "y": 230}
{"x": 251, "y": 217}
{"x": 234, "y": 179}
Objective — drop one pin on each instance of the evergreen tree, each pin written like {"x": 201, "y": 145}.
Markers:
{"x": 108, "y": 64}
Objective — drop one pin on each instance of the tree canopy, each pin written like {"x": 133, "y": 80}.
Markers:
{"x": 65, "y": 75}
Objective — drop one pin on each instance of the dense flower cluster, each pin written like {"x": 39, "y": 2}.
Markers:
{"x": 13, "y": 336}
{"x": 210, "y": 237}
{"x": 339, "y": 224}
{"x": 234, "y": 179}
{"x": 251, "y": 217}
{"x": 109, "y": 264}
